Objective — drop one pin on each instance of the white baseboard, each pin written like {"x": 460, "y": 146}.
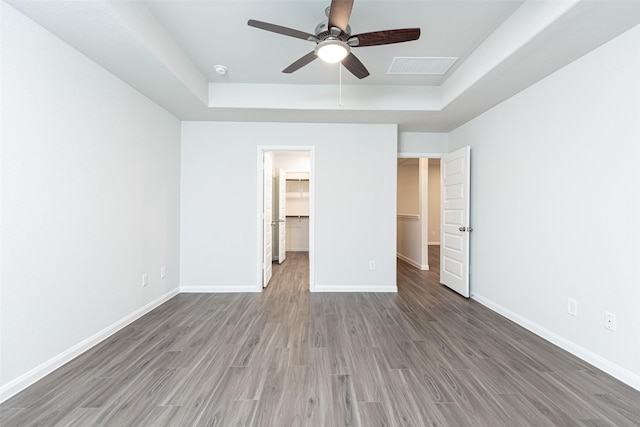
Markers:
{"x": 37, "y": 373}
{"x": 412, "y": 262}
{"x": 354, "y": 288}
{"x": 624, "y": 375}
{"x": 226, "y": 289}
{"x": 433, "y": 243}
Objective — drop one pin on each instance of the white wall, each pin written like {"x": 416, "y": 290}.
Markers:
{"x": 292, "y": 161}
{"x": 556, "y": 202}
{"x": 355, "y": 201}
{"x": 90, "y": 199}
{"x": 423, "y": 144}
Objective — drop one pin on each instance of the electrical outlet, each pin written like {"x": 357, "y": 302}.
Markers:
{"x": 372, "y": 265}
{"x": 163, "y": 272}
{"x": 145, "y": 279}
{"x": 572, "y": 307}
{"x": 610, "y": 321}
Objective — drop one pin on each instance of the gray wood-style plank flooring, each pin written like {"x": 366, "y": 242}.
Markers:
{"x": 422, "y": 357}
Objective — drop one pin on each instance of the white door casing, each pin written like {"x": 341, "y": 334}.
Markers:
{"x": 282, "y": 215}
{"x": 455, "y": 230}
{"x": 267, "y": 215}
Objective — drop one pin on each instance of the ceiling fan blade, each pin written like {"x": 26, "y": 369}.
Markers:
{"x": 377, "y": 38}
{"x": 282, "y": 30}
{"x": 354, "y": 65}
{"x": 339, "y": 13}
{"x": 300, "y": 63}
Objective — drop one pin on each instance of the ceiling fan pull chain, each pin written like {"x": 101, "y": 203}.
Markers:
{"x": 340, "y": 84}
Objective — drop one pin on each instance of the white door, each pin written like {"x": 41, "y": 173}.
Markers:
{"x": 268, "y": 222}
{"x": 454, "y": 249}
{"x": 282, "y": 215}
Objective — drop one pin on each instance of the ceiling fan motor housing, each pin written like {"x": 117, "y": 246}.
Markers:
{"x": 323, "y": 31}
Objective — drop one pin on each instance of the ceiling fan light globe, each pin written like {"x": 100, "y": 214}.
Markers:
{"x": 332, "y": 51}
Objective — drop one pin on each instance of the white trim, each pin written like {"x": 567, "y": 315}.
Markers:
{"x": 423, "y": 201}
{"x": 259, "y": 208}
{"x": 37, "y": 373}
{"x": 412, "y": 262}
{"x": 433, "y": 243}
{"x": 40, "y": 371}
{"x": 222, "y": 289}
{"x": 312, "y": 218}
{"x": 355, "y": 288}
{"x": 624, "y": 375}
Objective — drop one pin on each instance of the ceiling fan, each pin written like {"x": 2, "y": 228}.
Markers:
{"x": 334, "y": 40}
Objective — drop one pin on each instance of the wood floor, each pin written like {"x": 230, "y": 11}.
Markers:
{"x": 423, "y": 356}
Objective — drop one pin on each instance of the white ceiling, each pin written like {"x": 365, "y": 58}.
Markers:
{"x": 167, "y": 50}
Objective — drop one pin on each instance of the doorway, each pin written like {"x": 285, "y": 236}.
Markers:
{"x": 418, "y": 210}
{"x": 289, "y": 219}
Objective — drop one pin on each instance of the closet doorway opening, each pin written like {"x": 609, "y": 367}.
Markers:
{"x": 285, "y": 208}
{"x": 418, "y": 219}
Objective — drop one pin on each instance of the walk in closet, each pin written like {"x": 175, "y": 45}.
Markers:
{"x": 297, "y": 209}
{"x": 296, "y": 166}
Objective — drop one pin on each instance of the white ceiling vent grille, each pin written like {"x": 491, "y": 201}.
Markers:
{"x": 420, "y": 65}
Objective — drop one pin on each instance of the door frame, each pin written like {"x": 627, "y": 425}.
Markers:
{"x": 259, "y": 217}
{"x": 267, "y": 223}
{"x": 282, "y": 220}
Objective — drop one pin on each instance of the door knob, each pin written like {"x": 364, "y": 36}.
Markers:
{"x": 469, "y": 229}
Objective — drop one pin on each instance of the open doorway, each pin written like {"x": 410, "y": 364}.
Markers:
{"x": 418, "y": 210}
{"x": 285, "y": 209}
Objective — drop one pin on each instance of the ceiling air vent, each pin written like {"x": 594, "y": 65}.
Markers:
{"x": 420, "y": 65}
